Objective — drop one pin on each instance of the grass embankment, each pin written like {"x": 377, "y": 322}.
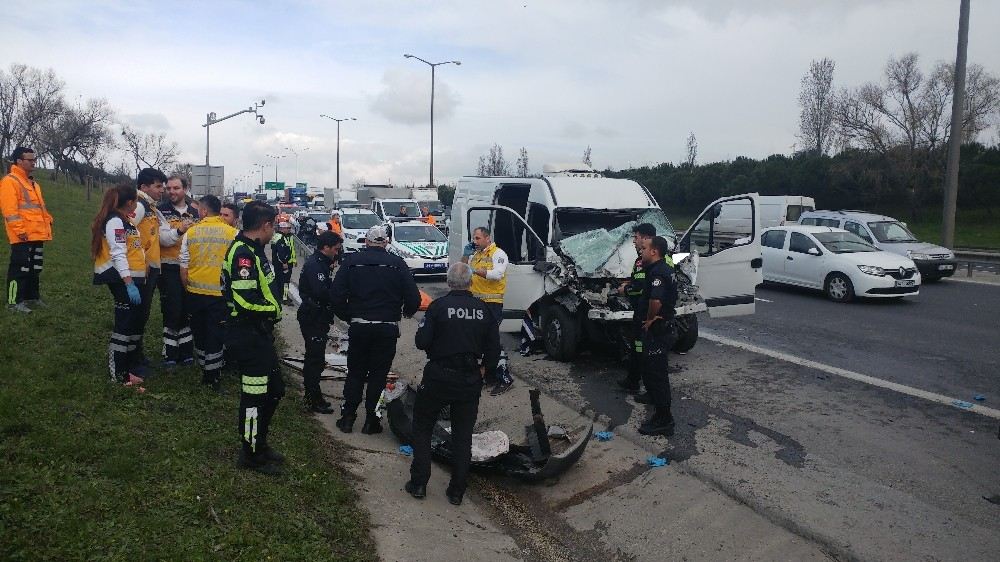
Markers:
{"x": 89, "y": 470}
{"x": 973, "y": 228}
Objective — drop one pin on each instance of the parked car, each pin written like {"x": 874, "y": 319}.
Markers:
{"x": 837, "y": 262}
{"x": 887, "y": 233}
{"x": 423, "y": 247}
{"x": 356, "y": 223}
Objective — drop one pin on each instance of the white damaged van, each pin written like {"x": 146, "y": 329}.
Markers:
{"x": 568, "y": 237}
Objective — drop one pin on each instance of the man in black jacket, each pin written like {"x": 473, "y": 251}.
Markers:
{"x": 656, "y": 310}
{"x": 253, "y": 312}
{"x": 370, "y": 290}
{"x": 316, "y": 314}
{"x": 458, "y": 333}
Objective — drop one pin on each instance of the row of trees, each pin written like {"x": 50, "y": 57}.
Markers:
{"x": 82, "y": 138}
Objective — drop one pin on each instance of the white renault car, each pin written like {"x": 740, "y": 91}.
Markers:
{"x": 356, "y": 223}
{"x": 837, "y": 262}
{"x": 423, "y": 247}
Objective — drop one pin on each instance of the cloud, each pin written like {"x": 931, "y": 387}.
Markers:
{"x": 405, "y": 97}
{"x": 147, "y": 122}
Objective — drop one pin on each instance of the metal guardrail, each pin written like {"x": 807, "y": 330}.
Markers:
{"x": 973, "y": 261}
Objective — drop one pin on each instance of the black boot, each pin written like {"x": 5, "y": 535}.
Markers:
{"x": 629, "y": 384}
{"x": 372, "y": 426}
{"x": 346, "y": 422}
{"x": 257, "y": 463}
{"x": 270, "y": 455}
{"x": 658, "y": 425}
{"x": 416, "y": 490}
{"x": 316, "y": 404}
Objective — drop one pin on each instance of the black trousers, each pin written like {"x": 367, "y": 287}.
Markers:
{"x": 437, "y": 390}
{"x": 146, "y": 290}
{"x": 208, "y": 318}
{"x": 177, "y": 338}
{"x": 124, "y": 334}
{"x": 656, "y": 343}
{"x": 369, "y": 358}
{"x": 24, "y": 272}
{"x": 315, "y": 335}
{"x": 262, "y": 383}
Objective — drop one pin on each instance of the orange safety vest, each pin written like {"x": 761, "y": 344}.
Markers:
{"x": 335, "y": 227}
{"x": 23, "y": 208}
{"x": 149, "y": 230}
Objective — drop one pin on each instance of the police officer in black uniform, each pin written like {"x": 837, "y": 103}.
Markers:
{"x": 370, "y": 290}
{"x": 656, "y": 309}
{"x": 641, "y": 235}
{"x": 316, "y": 314}
{"x": 458, "y": 333}
{"x": 253, "y": 312}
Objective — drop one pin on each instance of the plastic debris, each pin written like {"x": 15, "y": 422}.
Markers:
{"x": 604, "y": 435}
{"x": 406, "y": 450}
{"x": 656, "y": 462}
{"x": 962, "y": 404}
{"x": 557, "y": 432}
{"x": 979, "y": 397}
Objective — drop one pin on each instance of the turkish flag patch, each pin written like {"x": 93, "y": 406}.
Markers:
{"x": 244, "y": 262}
{"x": 120, "y": 235}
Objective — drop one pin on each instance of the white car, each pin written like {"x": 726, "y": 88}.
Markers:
{"x": 356, "y": 223}
{"x": 837, "y": 262}
{"x": 423, "y": 247}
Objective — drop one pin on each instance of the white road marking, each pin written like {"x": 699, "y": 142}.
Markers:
{"x": 761, "y": 300}
{"x": 855, "y": 376}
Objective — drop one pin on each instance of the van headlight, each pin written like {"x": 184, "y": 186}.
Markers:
{"x": 917, "y": 256}
{"x": 872, "y": 270}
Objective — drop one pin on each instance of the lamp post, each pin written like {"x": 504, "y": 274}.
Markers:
{"x": 211, "y": 119}
{"x": 338, "y": 142}
{"x": 295, "y": 152}
{"x": 433, "y": 66}
{"x": 275, "y": 163}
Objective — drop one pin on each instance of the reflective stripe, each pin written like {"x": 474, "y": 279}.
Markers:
{"x": 254, "y": 380}
{"x": 12, "y": 292}
{"x": 363, "y": 321}
{"x": 118, "y": 348}
{"x": 488, "y": 296}
{"x": 204, "y": 286}
{"x": 184, "y": 339}
{"x": 254, "y": 385}
{"x": 243, "y": 285}
{"x": 29, "y": 205}
{"x": 10, "y": 218}
{"x": 250, "y": 428}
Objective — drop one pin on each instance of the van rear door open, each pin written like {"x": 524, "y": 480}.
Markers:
{"x": 727, "y": 238}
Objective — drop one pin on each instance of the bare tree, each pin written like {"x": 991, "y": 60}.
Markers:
{"x": 493, "y": 163}
{"x": 816, "y": 106}
{"x": 586, "y": 157}
{"x": 522, "y": 163}
{"x": 149, "y": 150}
{"x": 29, "y": 97}
{"x": 77, "y": 138}
{"x": 358, "y": 183}
{"x": 692, "y": 150}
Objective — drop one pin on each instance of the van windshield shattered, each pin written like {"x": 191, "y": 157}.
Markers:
{"x": 590, "y": 237}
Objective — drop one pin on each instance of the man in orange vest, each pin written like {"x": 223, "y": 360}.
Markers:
{"x": 29, "y": 225}
{"x": 428, "y": 217}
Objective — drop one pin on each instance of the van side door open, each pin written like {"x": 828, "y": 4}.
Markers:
{"x": 727, "y": 238}
{"x": 524, "y": 248}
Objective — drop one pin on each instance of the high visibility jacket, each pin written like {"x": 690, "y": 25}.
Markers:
{"x": 429, "y": 219}
{"x": 283, "y": 249}
{"x": 246, "y": 282}
{"x": 149, "y": 229}
{"x": 490, "y": 290}
{"x": 121, "y": 253}
{"x": 23, "y": 208}
{"x": 170, "y": 243}
{"x": 203, "y": 250}
{"x": 335, "y": 227}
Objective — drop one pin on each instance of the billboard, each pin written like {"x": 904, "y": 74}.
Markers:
{"x": 207, "y": 180}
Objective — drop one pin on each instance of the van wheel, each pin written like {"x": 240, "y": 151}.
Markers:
{"x": 687, "y": 333}
{"x": 561, "y": 333}
{"x": 839, "y": 288}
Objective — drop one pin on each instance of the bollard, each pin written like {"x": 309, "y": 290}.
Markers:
{"x": 969, "y": 270}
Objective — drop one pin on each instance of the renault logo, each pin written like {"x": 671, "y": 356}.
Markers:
{"x": 902, "y": 271}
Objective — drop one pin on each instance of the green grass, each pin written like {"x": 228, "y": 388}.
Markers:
{"x": 974, "y": 228}
{"x": 90, "y": 470}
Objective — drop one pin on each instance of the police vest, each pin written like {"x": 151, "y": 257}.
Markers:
{"x": 488, "y": 290}
{"x": 104, "y": 269}
{"x": 207, "y": 243}
{"x": 172, "y": 254}
{"x": 149, "y": 230}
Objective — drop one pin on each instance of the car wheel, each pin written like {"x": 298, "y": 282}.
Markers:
{"x": 839, "y": 288}
{"x": 687, "y": 333}
{"x": 561, "y": 333}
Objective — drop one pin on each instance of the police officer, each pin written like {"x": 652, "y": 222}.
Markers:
{"x": 203, "y": 250}
{"x": 180, "y": 215}
{"x": 458, "y": 333}
{"x": 283, "y": 254}
{"x": 316, "y": 314}
{"x": 641, "y": 235}
{"x": 656, "y": 309}
{"x": 253, "y": 312}
{"x": 370, "y": 290}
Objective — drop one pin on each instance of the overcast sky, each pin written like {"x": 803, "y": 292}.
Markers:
{"x": 631, "y": 79}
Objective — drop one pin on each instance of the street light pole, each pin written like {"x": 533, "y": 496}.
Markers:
{"x": 293, "y": 151}
{"x": 433, "y": 66}
{"x": 338, "y": 142}
{"x": 275, "y": 163}
{"x": 210, "y": 120}
{"x": 955, "y": 142}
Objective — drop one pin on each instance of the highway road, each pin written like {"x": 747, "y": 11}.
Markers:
{"x": 865, "y": 471}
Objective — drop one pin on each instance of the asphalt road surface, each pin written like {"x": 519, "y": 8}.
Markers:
{"x": 867, "y": 472}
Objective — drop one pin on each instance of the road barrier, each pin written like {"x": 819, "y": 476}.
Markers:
{"x": 978, "y": 260}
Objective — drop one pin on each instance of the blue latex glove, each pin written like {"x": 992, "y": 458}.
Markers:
{"x": 604, "y": 435}
{"x": 469, "y": 249}
{"x": 406, "y": 450}
{"x": 656, "y": 462}
{"x": 133, "y": 293}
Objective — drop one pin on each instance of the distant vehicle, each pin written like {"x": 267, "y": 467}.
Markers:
{"x": 396, "y": 210}
{"x": 779, "y": 210}
{"x": 837, "y": 262}
{"x": 423, "y": 247}
{"x": 887, "y": 233}
{"x": 356, "y": 223}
